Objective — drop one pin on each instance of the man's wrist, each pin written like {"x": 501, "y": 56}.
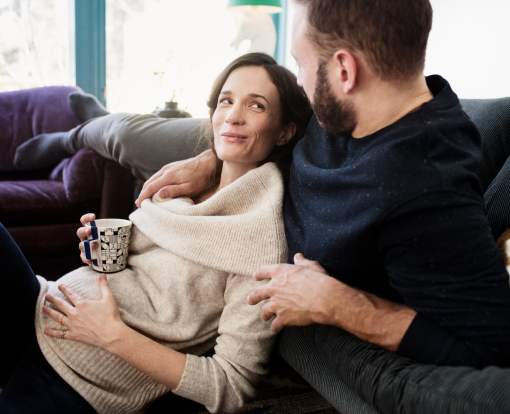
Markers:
{"x": 330, "y": 309}
{"x": 367, "y": 316}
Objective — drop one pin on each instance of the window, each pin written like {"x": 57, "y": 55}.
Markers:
{"x": 167, "y": 49}
{"x": 34, "y": 44}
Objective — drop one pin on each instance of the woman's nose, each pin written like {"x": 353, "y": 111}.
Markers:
{"x": 235, "y": 115}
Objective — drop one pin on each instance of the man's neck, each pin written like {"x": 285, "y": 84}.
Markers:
{"x": 384, "y": 103}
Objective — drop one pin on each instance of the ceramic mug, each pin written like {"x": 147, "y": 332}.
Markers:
{"x": 112, "y": 236}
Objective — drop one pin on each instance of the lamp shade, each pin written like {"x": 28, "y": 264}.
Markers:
{"x": 271, "y": 6}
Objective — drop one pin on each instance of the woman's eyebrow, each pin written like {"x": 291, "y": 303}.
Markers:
{"x": 253, "y": 95}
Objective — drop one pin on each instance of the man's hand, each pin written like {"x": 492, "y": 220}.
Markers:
{"x": 181, "y": 178}
{"x": 298, "y": 293}
{"x": 303, "y": 293}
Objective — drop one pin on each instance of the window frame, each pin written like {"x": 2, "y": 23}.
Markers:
{"x": 90, "y": 44}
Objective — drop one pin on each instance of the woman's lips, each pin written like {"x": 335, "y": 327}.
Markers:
{"x": 233, "y": 137}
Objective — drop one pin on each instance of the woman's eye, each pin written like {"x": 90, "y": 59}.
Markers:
{"x": 257, "y": 105}
{"x": 225, "y": 101}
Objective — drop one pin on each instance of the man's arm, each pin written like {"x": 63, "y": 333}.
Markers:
{"x": 442, "y": 260}
{"x": 182, "y": 178}
{"x": 304, "y": 293}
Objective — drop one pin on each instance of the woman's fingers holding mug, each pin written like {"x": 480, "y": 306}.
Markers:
{"x": 84, "y": 232}
{"x": 83, "y": 257}
{"x": 87, "y": 218}
{"x": 93, "y": 246}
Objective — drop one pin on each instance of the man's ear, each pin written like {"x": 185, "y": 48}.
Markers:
{"x": 346, "y": 69}
{"x": 288, "y": 132}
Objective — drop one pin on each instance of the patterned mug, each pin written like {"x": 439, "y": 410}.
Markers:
{"x": 112, "y": 236}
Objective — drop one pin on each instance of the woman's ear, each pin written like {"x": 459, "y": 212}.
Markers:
{"x": 288, "y": 132}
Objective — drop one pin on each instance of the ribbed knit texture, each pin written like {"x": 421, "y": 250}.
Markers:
{"x": 186, "y": 285}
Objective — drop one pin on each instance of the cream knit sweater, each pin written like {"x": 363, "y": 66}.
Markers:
{"x": 186, "y": 286}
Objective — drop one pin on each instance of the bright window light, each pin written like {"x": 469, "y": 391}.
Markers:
{"x": 34, "y": 43}
{"x": 163, "y": 50}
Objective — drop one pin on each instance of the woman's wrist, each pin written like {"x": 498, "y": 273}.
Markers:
{"x": 120, "y": 336}
{"x": 163, "y": 364}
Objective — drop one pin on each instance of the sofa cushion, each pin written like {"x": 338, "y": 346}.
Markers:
{"x": 26, "y": 203}
{"x": 83, "y": 175}
{"x": 492, "y": 117}
{"x": 26, "y": 113}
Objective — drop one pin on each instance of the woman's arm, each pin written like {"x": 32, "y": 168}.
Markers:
{"x": 98, "y": 323}
{"x": 222, "y": 382}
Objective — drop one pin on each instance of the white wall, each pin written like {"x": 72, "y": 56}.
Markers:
{"x": 469, "y": 45}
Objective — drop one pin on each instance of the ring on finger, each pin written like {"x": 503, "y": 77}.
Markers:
{"x": 62, "y": 318}
{"x": 63, "y": 334}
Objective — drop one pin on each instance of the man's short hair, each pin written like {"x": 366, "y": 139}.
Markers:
{"x": 391, "y": 34}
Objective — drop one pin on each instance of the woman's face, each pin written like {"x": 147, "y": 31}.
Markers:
{"x": 246, "y": 122}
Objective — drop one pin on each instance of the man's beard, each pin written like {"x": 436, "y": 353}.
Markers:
{"x": 334, "y": 116}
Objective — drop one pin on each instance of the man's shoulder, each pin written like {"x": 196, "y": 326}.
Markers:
{"x": 436, "y": 147}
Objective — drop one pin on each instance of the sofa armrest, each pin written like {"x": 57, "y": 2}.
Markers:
{"x": 87, "y": 176}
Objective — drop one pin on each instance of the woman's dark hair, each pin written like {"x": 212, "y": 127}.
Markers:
{"x": 294, "y": 103}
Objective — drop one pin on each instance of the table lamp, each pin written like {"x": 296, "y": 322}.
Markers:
{"x": 269, "y": 6}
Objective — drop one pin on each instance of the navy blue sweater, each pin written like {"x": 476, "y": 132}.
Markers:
{"x": 399, "y": 214}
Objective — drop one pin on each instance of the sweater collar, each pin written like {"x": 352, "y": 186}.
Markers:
{"x": 237, "y": 230}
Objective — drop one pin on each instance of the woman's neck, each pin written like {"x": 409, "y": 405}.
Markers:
{"x": 230, "y": 172}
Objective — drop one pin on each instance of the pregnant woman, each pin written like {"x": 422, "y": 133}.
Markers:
{"x": 114, "y": 344}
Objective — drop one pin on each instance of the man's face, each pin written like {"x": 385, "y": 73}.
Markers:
{"x": 304, "y": 52}
{"x": 335, "y": 115}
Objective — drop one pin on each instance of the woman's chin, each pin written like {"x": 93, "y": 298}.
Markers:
{"x": 239, "y": 162}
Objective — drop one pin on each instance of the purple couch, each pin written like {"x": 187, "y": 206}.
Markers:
{"x": 41, "y": 209}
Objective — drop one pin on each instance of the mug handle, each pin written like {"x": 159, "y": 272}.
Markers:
{"x": 90, "y": 254}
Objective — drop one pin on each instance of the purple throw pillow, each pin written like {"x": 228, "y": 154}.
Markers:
{"x": 30, "y": 112}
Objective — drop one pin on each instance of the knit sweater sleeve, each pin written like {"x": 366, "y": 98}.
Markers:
{"x": 226, "y": 380}
{"x": 441, "y": 258}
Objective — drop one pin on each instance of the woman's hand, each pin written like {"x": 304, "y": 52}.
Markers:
{"x": 83, "y": 233}
{"x": 96, "y": 323}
